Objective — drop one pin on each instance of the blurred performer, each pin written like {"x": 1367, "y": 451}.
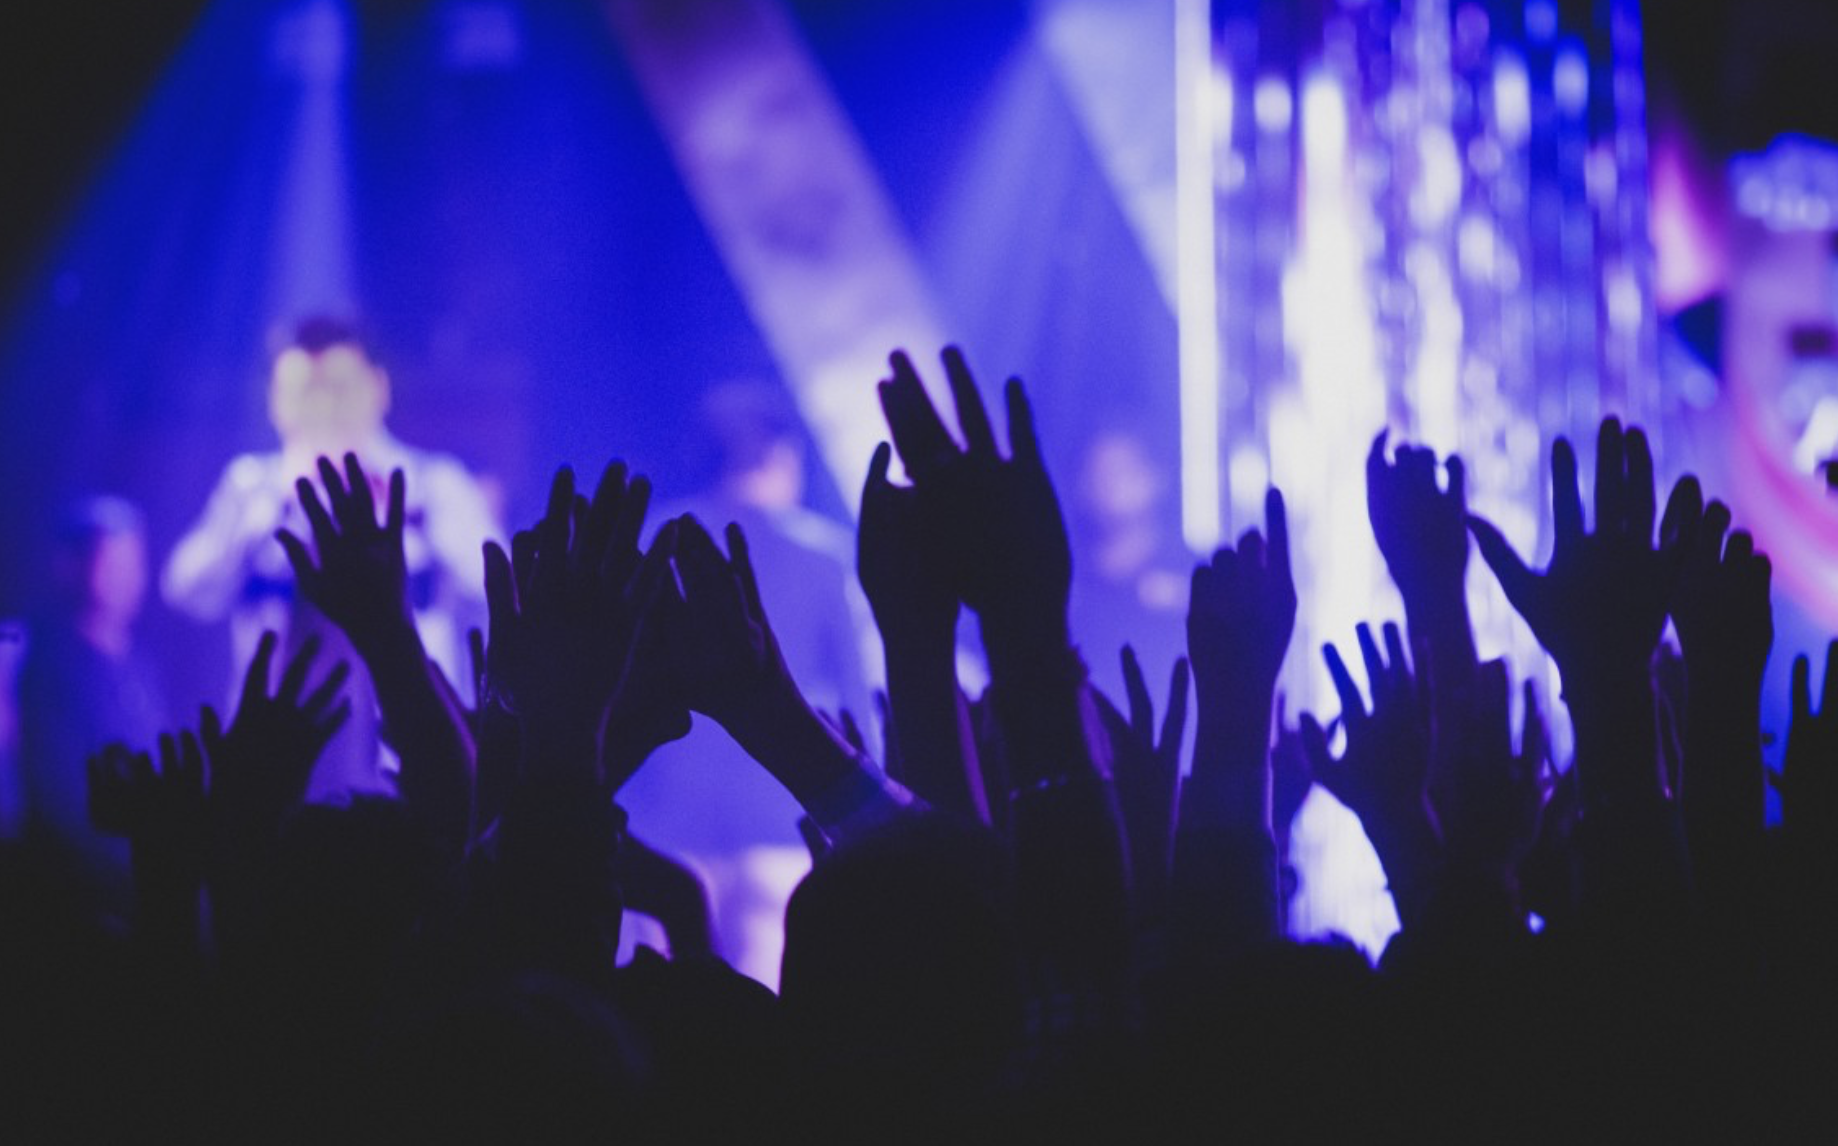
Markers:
{"x": 82, "y": 686}
{"x": 327, "y": 397}
{"x": 701, "y": 796}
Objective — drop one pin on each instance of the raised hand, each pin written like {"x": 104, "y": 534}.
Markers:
{"x": 1146, "y": 771}
{"x": 1809, "y": 774}
{"x": 1227, "y": 883}
{"x": 1598, "y": 609}
{"x": 999, "y": 527}
{"x": 1291, "y": 777}
{"x": 152, "y": 806}
{"x": 904, "y": 566}
{"x": 563, "y": 614}
{"x": 726, "y": 661}
{"x": 1721, "y": 605}
{"x": 1383, "y": 774}
{"x": 1599, "y": 606}
{"x": 162, "y": 812}
{"x": 907, "y": 575}
{"x": 1240, "y": 617}
{"x": 729, "y": 662}
{"x": 360, "y": 580}
{"x": 1384, "y": 770}
{"x": 1494, "y": 796}
{"x": 260, "y": 764}
{"x": 1421, "y": 528}
{"x": 1725, "y": 622}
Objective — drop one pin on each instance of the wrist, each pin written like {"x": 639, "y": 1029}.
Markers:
{"x": 1232, "y": 729}
{"x": 1441, "y": 595}
{"x": 1025, "y": 634}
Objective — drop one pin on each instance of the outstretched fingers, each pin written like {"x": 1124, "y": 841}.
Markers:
{"x": 1611, "y": 484}
{"x": 361, "y": 503}
{"x": 742, "y": 561}
{"x": 1638, "y": 499}
{"x": 1023, "y": 443}
{"x": 1352, "y": 704}
{"x": 260, "y": 672}
{"x": 918, "y": 434}
{"x": 1136, "y": 690}
{"x": 1174, "y": 720}
{"x": 1276, "y": 526}
{"x": 1516, "y": 579}
{"x": 972, "y": 418}
{"x": 1566, "y": 499}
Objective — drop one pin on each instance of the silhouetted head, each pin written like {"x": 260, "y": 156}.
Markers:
{"x": 900, "y": 958}
{"x": 326, "y": 393}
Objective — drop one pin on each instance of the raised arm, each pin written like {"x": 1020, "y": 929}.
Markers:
{"x": 1239, "y": 622}
{"x": 1726, "y": 624}
{"x": 359, "y": 581}
{"x": 901, "y": 557}
{"x": 1598, "y": 609}
{"x": 1383, "y": 774}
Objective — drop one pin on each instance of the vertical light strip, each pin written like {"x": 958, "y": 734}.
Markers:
{"x": 312, "y": 269}
{"x": 1196, "y": 310}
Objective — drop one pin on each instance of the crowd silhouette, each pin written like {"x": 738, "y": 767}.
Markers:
{"x": 1028, "y": 917}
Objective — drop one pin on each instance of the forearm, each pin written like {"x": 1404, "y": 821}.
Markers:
{"x": 434, "y": 744}
{"x": 1036, "y": 683}
{"x": 1723, "y": 790}
{"x": 1071, "y": 882}
{"x": 1617, "y": 743}
{"x": 1226, "y": 878}
{"x": 1627, "y": 843}
{"x": 840, "y": 790}
{"x": 930, "y": 731}
{"x": 1411, "y": 854}
{"x": 1230, "y": 786}
{"x": 1439, "y": 623}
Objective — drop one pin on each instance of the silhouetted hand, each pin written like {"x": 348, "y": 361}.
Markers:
{"x": 1421, "y": 529}
{"x": 1725, "y": 621}
{"x": 1290, "y": 774}
{"x": 158, "y": 807}
{"x": 1146, "y": 773}
{"x": 901, "y": 558}
{"x": 564, "y": 614}
{"x": 1601, "y": 603}
{"x": 260, "y": 765}
{"x": 1490, "y": 812}
{"x": 906, "y": 572}
{"x": 727, "y": 659}
{"x": 1240, "y": 617}
{"x": 1383, "y": 774}
{"x": 1809, "y": 773}
{"x": 1721, "y": 605}
{"x": 1227, "y": 888}
{"x": 360, "y": 580}
{"x": 1003, "y": 536}
{"x": 1598, "y": 610}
